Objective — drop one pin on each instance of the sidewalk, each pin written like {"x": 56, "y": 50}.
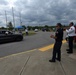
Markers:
{"x": 37, "y": 63}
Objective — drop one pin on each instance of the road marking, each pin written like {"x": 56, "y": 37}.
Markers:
{"x": 49, "y": 47}
{"x": 46, "y": 47}
{"x": 64, "y": 41}
{"x": 41, "y": 49}
{"x": 18, "y": 53}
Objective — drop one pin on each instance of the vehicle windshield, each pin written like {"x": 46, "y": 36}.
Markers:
{"x": 6, "y": 32}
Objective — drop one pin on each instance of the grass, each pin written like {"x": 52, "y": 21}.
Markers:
{"x": 30, "y": 33}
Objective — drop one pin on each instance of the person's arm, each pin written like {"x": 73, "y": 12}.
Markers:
{"x": 70, "y": 30}
{"x": 54, "y": 37}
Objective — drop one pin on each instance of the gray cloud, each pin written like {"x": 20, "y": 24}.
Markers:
{"x": 3, "y": 2}
{"x": 35, "y": 12}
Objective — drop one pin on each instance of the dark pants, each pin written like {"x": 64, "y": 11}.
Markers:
{"x": 71, "y": 44}
{"x": 57, "y": 51}
{"x": 26, "y": 33}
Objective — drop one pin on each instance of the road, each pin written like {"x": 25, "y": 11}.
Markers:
{"x": 30, "y": 42}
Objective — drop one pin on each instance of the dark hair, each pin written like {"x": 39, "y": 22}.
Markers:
{"x": 71, "y": 23}
{"x": 59, "y": 24}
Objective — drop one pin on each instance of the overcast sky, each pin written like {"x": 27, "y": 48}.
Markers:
{"x": 38, "y": 12}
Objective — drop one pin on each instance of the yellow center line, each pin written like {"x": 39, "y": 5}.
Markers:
{"x": 49, "y": 47}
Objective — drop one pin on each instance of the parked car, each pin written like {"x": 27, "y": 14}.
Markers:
{"x": 45, "y": 29}
{"x": 8, "y": 36}
{"x": 36, "y": 30}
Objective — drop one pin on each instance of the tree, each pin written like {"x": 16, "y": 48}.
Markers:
{"x": 24, "y": 26}
{"x": 2, "y": 28}
{"x": 10, "y": 26}
{"x": 46, "y": 26}
{"x": 29, "y": 27}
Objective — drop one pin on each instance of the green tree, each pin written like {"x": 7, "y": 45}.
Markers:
{"x": 10, "y": 26}
{"x": 24, "y": 26}
{"x": 29, "y": 27}
{"x": 46, "y": 26}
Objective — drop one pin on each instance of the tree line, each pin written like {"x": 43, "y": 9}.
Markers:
{"x": 47, "y": 27}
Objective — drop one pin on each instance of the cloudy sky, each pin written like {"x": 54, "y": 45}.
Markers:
{"x": 38, "y": 12}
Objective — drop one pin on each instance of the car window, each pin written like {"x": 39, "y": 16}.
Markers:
{"x": 9, "y": 32}
{"x": 6, "y": 32}
{"x": 2, "y": 32}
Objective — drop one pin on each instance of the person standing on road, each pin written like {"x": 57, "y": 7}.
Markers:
{"x": 26, "y": 31}
{"x": 71, "y": 34}
{"x": 58, "y": 42}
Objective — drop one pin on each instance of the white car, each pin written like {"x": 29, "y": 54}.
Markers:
{"x": 36, "y": 30}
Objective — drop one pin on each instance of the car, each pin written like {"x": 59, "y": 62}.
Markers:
{"x": 45, "y": 29}
{"x": 8, "y": 36}
{"x": 36, "y": 30}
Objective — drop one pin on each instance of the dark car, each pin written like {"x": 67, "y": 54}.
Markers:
{"x": 8, "y": 36}
{"x": 45, "y": 29}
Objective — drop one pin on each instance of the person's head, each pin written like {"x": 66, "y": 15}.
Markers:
{"x": 71, "y": 24}
{"x": 58, "y": 25}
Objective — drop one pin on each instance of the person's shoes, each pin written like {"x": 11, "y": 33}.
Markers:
{"x": 67, "y": 49}
{"x": 51, "y": 61}
{"x": 58, "y": 59}
{"x": 69, "y": 52}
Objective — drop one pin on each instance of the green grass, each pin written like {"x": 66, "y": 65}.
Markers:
{"x": 30, "y": 33}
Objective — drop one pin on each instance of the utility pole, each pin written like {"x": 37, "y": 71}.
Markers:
{"x": 13, "y": 18}
{"x": 6, "y": 18}
{"x": 20, "y": 19}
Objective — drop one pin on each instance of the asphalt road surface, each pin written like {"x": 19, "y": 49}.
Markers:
{"x": 30, "y": 42}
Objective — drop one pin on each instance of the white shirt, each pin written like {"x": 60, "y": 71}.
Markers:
{"x": 71, "y": 31}
{"x": 26, "y": 30}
